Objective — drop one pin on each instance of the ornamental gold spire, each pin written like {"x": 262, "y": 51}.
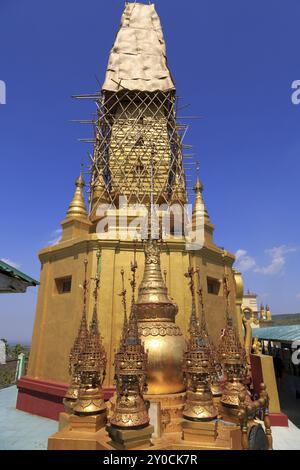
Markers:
{"x": 153, "y": 291}
{"x": 77, "y": 207}
{"x": 124, "y": 303}
{"x": 232, "y": 355}
{"x": 156, "y": 314}
{"x": 72, "y": 392}
{"x": 198, "y": 367}
{"x": 215, "y": 364}
{"x": 131, "y": 410}
{"x": 199, "y": 209}
{"x": 91, "y": 364}
{"x": 193, "y": 325}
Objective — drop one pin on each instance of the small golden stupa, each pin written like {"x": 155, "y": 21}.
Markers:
{"x": 232, "y": 356}
{"x": 198, "y": 366}
{"x": 130, "y": 410}
{"x": 75, "y": 353}
{"x": 91, "y": 363}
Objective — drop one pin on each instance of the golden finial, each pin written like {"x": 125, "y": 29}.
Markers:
{"x": 134, "y": 267}
{"x": 132, "y": 331}
{"x": 77, "y": 207}
{"x": 94, "y": 322}
{"x": 124, "y": 303}
{"x": 193, "y": 318}
{"x": 226, "y": 290}
{"x": 203, "y": 327}
{"x": 200, "y": 213}
{"x": 198, "y": 187}
{"x": 85, "y": 284}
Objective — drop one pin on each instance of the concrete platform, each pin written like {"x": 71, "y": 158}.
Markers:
{"x": 19, "y": 430}
{"x": 23, "y": 431}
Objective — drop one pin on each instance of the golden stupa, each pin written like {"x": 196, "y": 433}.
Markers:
{"x": 161, "y": 336}
{"x": 137, "y": 160}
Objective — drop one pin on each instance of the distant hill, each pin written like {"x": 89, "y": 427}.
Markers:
{"x": 283, "y": 319}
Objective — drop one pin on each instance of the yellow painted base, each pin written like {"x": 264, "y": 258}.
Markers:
{"x": 78, "y": 432}
{"x": 126, "y": 439}
{"x": 229, "y": 438}
{"x": 269, "y": 380}
{"x": 212, "y": 435}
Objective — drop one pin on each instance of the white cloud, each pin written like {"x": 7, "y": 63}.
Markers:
{"x": 11, "y": 263}
{"x": 264, "y": 295}
{"x": 244, "y": 261}
{"x": 276, "y": 265}
{"x": 277, "y": 255}
{"x": 55, "y": 237}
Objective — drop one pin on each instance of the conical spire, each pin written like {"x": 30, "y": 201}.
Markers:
{"x": 199, "y": 209}
{"x": 230, "y": 348}
{"x": 83, "y": 327}
{"x": 153, "y": 290}
{"x": 77, "y": 207}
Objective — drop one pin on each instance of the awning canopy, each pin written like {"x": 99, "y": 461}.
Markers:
{"x": 13, "y": 280}
{"x": 278, "y": 333}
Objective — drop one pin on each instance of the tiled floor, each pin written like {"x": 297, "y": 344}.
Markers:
{"x": 290, "y": 405}
{"x": 19, "y": 430}
{"x": 23, "y": 431}
{"x": 286, "y": 438}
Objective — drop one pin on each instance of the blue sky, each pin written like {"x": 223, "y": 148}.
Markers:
{"x": 234, "y": 61}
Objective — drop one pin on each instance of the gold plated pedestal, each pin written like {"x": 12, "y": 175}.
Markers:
{"x": 213, "y": 435}
{"x": 79, "y": 433}
{"x": 126, "y": 439}
{"x": 198, "y": 436}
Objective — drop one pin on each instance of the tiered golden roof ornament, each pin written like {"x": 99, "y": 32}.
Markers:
{"x": 91, "y": 358}
{"x": 198, "y": 365}
{"x": 72, "y": 392}
{"x": 77, "y": 206}
{"x": 216, "y": 367}
{"x": 131, "y": 410}
{"x": 232, "y": 356}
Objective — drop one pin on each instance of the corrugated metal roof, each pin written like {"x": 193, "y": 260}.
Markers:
{"x": 13, "y": 272}
{"x": 279, "y": 333}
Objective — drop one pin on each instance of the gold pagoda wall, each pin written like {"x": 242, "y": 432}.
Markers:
{"x": 58, "y": 314}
